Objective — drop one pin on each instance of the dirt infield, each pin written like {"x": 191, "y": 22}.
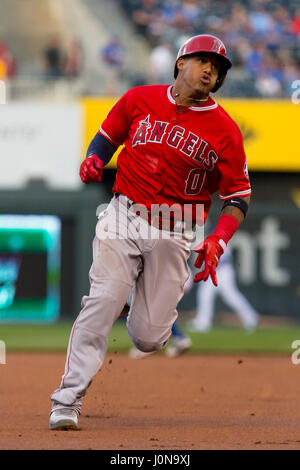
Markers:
{"x": 191, "y": 402}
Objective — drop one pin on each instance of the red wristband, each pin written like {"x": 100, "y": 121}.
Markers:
{"x": 226, "y": 227}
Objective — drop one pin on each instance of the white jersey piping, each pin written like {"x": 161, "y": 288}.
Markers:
{"x": 108, "y": 137}
{"x": 238, "y": 193}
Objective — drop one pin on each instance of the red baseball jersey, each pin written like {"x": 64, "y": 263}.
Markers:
{"x": 175, "y": 154}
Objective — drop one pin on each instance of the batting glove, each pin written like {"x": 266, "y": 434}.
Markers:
{"x": 210, "y": 251}
{"x": 91, "y": 169}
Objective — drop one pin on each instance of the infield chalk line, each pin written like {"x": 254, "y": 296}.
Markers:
{"x": 2, "y": 92}
{"x": 2, "y": 352}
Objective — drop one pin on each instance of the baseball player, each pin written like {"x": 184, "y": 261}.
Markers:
{"x": 180, "y": 147}
{"x": 228, "y": 290}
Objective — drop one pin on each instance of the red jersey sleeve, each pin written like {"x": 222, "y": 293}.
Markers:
{"x": 116, "y": 125}
{"x": 232, "y": 165}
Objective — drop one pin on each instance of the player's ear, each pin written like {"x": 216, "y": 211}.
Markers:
{"x": 180, "y": 63}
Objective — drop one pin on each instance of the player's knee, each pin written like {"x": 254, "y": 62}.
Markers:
{"x": 146, "y": 340}
{"x": 145, "y": 336}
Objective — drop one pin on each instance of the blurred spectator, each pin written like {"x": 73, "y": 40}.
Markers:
{"x": 7, "y": 62}
{"x": 255, "y": 59}
{"x": 237, "y": 25}
{"x": 73, "y": 60}
{"x": 142, "y": 16}
{"x": 191, "y": 11}
{"x": 269, "y": 79}
{"x": 228, "y": 290}
{"x": 161, "y": 62}
{"x": 53, "y": 59}
{"x": 282, "y": 19}
{"x": 260, "y": 20}
{"x": 289, "y": 75}
{"x": 295, "y": 23}
{"x": 157, "y": 29}
{"x": 113, "y": 55}
{"x": 268, "y": 86}
{"x": 268, "y": 82}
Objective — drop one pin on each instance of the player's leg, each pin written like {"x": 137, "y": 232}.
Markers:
{"x": 205, "y": 304}
{"x": 159, "y": 288}
{"x": 179, "y": 342}
{"x": 135, "y": 353}
{"x": 235, "y": 299}
{"x": 176, "y": 331}
{"x": 116, "y": 263}
{"x": 189, "y": 284}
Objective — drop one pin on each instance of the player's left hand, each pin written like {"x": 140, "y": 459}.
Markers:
{"x": 210, "y": 252}
{"x": 91, "y": 170}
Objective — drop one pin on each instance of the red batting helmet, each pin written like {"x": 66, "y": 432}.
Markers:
{"x": 206, "y": 43}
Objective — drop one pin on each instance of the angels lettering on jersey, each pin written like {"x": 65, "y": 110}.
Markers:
{"x": 177, "y": 137}
{"x": 169, "y": 155}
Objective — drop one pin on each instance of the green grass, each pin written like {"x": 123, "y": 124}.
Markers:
{"x": 54, "y": 337}
{"x": 229, "y": 340}
{"x": 39, "y": 337}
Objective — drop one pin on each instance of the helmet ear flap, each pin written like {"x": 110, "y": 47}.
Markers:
{"x": 220, "y": 81}
{"x": 218, "y": 84}
{"x": 175, "y": 70}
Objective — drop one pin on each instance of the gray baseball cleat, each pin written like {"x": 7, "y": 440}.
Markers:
{"x": 63, "y": 419}
{"x": 178, "y": 346}
{"x": 135, "y": 353}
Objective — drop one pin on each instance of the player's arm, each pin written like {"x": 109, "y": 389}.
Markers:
{"x": 211, "y": 249}
{"x": 237, "y": 207}
{"x": 234, "y": 191}
{"x": 99, "y": 153}
{"x": 112, "y": 133}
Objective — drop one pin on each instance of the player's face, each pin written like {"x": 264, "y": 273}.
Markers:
{"x": 199, "y": 71}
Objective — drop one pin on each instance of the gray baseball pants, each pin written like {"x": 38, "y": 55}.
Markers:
{"x": 156, "y": 266}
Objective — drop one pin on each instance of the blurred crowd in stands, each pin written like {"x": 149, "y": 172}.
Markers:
{"x": 8, "y": 66}
{"x": 57, "y": 60}
{"x": 262, "y": 38}
{"x": 112, "y": 54}
{"x": 62, "y": 61}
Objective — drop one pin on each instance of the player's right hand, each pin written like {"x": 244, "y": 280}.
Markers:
{"x": 210, "y": 252}
{"x": 91, "y": 169}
